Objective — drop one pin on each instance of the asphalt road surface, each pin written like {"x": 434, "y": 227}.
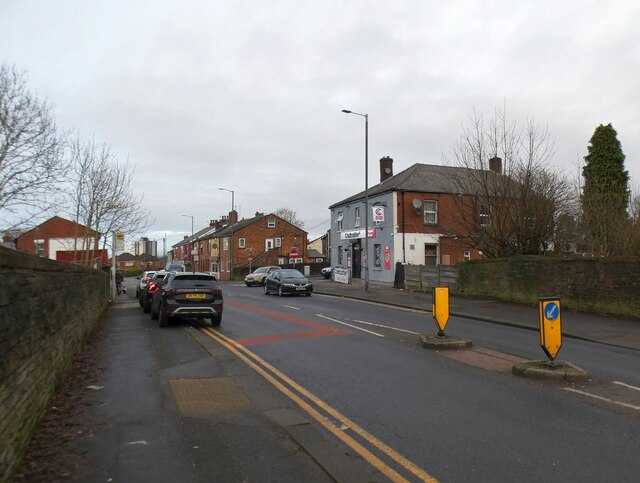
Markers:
{"x": 354, "y": 397}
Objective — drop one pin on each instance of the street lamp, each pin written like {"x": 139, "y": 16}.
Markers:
{"x": 231, "y": 233}
{"x": 193, "y": 268}
{"x": 366, "y": 195}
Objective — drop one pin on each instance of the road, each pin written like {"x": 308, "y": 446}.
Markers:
{"x": 351, "y": 384}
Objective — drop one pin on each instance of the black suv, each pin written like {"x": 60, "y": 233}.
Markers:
{"x": 187, "y": 295}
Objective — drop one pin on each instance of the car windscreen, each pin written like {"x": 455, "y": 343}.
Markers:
{"x": 261, "y": 270}
{"x": 195, "y": 281}
{"x": 291, "y": 274}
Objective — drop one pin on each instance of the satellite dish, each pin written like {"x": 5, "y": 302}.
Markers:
{"x": 417, "y": 205}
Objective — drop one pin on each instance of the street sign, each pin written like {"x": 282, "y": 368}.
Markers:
{"x": 550, "y": 326}
{"x": 119, "y": 242}
{"x": 440, "y": 308}
{"x": 293, "y": 253}
{"x": 378, "y": 214}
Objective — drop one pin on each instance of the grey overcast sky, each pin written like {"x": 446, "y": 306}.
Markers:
{"x": 247, "y": 95}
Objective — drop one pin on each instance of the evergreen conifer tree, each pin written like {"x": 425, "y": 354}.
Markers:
{"x": 605, "y": 196}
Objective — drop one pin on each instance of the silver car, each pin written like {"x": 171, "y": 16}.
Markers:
{"x": 145, "y": 278}
{"x": 258, "y": 276}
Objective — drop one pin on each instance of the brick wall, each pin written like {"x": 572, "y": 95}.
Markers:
{"x": 47, "y": 310}
{"x": 588, "y": 284}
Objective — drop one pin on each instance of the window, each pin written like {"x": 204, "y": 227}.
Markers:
{"x": 228, "y": 266}
{"x": 485, "y": 215}
{"x": 271, "y": 223}
{"x": 339, "y": 220}
{"x": 278, "y": 242}
{"x": 467, "y": 255}
{"x": 241, "y": 243}
{"x": 214, "y": 267}
{"x": 339, "y": 255}
{"x": 431, "y": 255}
{"x": 39, "y": 246}
{"x": 430, "y": 212}
{"x": 225, "y": 243}
{"x": 357, "y": 223}
{"x": 268, "y": 244}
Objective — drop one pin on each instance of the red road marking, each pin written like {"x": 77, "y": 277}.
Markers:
{"x": 320, "y": 330}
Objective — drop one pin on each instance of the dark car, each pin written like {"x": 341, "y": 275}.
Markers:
{"x": 147, "y": 292}
{"x": 187, "y": 295}
{"x": 287, "y": 281}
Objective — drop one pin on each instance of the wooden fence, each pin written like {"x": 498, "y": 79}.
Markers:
{"x": 424, "y": 277}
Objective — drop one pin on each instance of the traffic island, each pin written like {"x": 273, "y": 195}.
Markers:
{"x": 439, "y": 342}
{"x": 556, "y": 370}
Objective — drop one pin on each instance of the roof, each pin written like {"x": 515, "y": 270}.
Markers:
{"x": 420, "y": 178}
{"x": 314, "y": 254}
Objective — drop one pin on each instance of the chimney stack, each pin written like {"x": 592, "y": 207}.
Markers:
{"x": 386, "y": 168}
{"x": 495, "y": 165}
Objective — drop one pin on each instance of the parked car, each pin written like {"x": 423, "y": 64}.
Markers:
{"x": 175, "y": 267}
{"x": 187, "y": 295}
{"x": 287, "y": 281}
{"x": 144, "y": 279}
{"x": 326, "y": 272}
{"x": 147, "y": 293}
{"x": 258, "y": 275}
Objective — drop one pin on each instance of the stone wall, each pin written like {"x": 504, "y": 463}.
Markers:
{"x": 47, "y": 311}
{"x": 609, "y": 286}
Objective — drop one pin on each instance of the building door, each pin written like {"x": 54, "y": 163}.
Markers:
{"x": 356, "y": 260}
{"x": 431, "y": 254}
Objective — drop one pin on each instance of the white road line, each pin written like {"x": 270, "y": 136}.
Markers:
{"x": 595, "y": 396}
{"x": 387, "y": 327}
{"x": 349, "y": 325}
{"x": 291, "y": 307}
{"x": 628, "y": 386}
{"x": 377, "y": 304}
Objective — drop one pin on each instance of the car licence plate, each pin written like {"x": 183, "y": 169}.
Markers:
{"x": 301, "y": 288}
{"x": 196, "y": 296}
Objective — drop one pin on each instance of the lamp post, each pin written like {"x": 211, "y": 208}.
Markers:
{"x": 191, "y": 241}
{"x": 231, "y": 233}
{"x": 366, "y": 195}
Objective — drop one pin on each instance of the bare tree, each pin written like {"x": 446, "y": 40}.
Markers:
{"x": 32, "y": 161}
{"x": 508, "y": 197}
{"x": 287, "y": 214}
{"x": 102, "y": 198}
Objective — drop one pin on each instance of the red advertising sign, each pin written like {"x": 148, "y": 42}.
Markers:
{"x": 387, "y": 258}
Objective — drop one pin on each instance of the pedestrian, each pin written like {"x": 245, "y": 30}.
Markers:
{"x": 119, "y": 279}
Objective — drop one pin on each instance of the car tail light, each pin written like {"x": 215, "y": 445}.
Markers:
{"x": 171, "y": 293}
{"x": 153, "y": 287}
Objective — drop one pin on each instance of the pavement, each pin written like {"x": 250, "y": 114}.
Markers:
{"x": 603, "y": 329}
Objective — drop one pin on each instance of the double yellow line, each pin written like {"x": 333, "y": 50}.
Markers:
{"x": 296, "y": 393}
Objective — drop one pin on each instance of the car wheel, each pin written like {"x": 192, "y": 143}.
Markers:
{"x": 266, "y": 289}
{"x": 216, "y": 320}
{"x": 280, "y": 294}
{"x": 308, "y": 294}
{"x": 164, "y": 318}
{"x": 146, "y": 308}
{"x": 154, "y": 314}
{"x": 248, "y": 284}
